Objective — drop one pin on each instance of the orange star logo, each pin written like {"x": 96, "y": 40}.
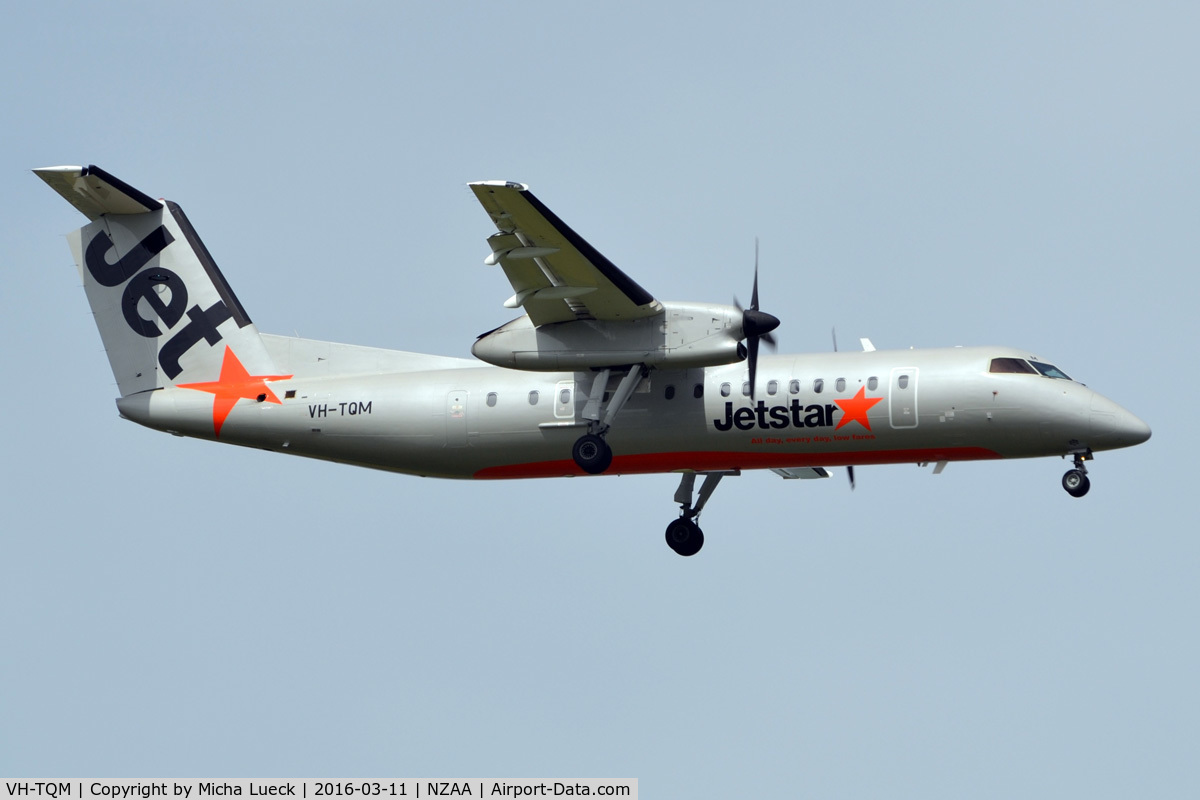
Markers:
{"x": 856, "y": 408}
{"x": 233, "y": 385}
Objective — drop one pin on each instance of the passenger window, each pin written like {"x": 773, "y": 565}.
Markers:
{"x": 818, "y": 385}
{"x": 698, "y": 391}
{"x": 872, "y": 383}
{"x": 564, "y": 397}
{"x": 746, "y": 389}
{"x": 533, "y": 397}
{"x": 772, "y": 387}
{"x": 491, "y": 399}
{"x": 841, "y": 384}
{"x": 724, "y": 390}
{"x": 670, "y": 393}
{"x": 902, "y": 382}
{"x": 794, "y": 387}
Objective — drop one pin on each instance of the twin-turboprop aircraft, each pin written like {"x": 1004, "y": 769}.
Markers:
{"x": 597, "y": 376}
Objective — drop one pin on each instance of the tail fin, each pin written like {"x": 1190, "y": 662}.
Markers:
{"x": 164, "y": 310}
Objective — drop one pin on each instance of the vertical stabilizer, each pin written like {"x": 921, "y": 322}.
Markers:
{"x": 163, "y": 309}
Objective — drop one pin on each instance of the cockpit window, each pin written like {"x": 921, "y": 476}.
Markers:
{"x": 1011, "y": 365}
{"x": 1050, "y": 371}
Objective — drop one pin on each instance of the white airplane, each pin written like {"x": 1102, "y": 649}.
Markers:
{"x": 597, "y": 376}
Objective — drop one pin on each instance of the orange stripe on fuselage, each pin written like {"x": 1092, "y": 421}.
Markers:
{"x": 717, "y": 461}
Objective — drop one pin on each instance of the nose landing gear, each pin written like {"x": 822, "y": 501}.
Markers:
{"x": 1075, "y": 481}
{"x": 684, "y": 535}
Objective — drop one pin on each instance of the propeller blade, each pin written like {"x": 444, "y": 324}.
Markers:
{"x": 754, "y": 295}
{"x": 752, "y": 358}
{"x": 756, "y": 326}
{"x": 850, "y": 472}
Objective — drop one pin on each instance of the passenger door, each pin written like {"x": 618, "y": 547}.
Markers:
{"x": 902, "y": 391}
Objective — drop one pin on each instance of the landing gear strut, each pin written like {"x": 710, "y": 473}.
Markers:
{"x": 1075, "y": 481}
{"x": 591, "y": 452}
{"x": 684, "y": 535}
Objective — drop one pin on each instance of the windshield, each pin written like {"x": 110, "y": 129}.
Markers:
{"x": 1021, "y": 366}
{"x": 1050, "y": 371}
{"x": 1017, "y": 365}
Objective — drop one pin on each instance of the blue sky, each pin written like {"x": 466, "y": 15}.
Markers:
{"x": 922, "y": 174}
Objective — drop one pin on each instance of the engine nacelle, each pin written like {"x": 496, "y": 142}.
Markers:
{"x": 684, "y": 335}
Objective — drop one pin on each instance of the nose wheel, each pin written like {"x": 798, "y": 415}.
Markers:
{"x": 685, "y": 537}
{"x": 1075, "y": 481}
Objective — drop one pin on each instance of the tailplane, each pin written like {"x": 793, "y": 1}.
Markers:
{"x": 163, "y": 309}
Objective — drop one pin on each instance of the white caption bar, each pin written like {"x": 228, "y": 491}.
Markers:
{"x": 382, "y": 789}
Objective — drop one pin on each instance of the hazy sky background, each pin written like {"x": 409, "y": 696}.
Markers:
{"x": 922, "y": 174}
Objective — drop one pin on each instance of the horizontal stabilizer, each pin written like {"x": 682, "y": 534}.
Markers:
{"x": 96, "y": 193}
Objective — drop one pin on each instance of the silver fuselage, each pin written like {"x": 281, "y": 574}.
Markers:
{"x": 457, "y": 418}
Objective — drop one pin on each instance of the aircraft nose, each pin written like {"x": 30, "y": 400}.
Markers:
{"x": 1114, "y": 426}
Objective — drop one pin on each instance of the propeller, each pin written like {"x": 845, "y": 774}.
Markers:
{"x": 756, "y": 326}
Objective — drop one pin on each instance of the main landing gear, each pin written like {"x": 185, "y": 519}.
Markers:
{"x": 684, "y": 535}
{"x": 1075, "y": 481}
{"x": 591, "y": 452}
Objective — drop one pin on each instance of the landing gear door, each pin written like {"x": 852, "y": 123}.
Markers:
{"x": 902, "y": 390}
{"x": 564, "y": 400}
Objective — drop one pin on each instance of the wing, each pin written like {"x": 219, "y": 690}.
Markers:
{"x": 556, "y": 274}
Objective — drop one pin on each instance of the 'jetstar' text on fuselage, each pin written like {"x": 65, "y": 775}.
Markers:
{"x": 767, "y": 417}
